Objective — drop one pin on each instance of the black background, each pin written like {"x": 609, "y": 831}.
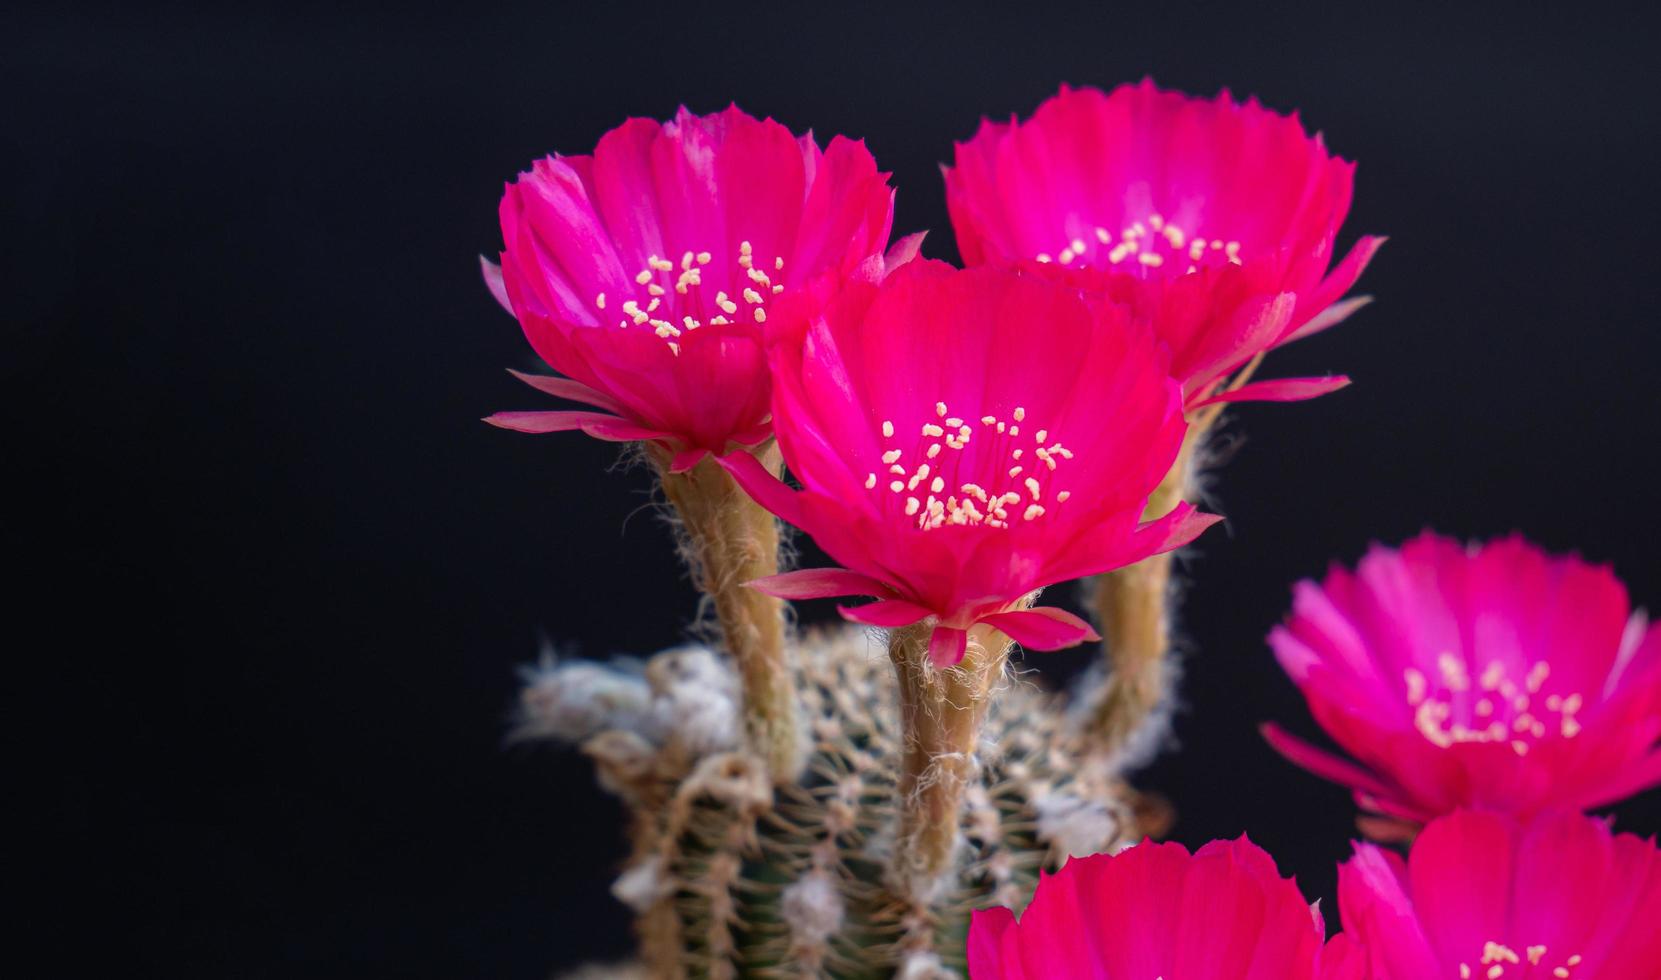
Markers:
{"x": 284, "y": 574}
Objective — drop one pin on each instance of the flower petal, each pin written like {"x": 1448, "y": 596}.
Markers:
{"x": 1042, "y": 628}
{"x": 903, "y": 251}
{"x": 764, "y": 488}
{"x": 887, "y": 613}
{"x": 947, "y": 645}
{"x": 570, "y": 390}
{"x": 1322, "y": 763}
{"x": 493, "y": 282}
{"x": 1332, "y": 316}
{"x": 1337, "y": 283}
{"x": 1180, "y": 527}
{"x": 820, "y": 583}
{"x": 986, "y": 951}
{"x": 1278, "y": 390}
{"x": 685, "y": 459}
{"x": 596, "y": 424}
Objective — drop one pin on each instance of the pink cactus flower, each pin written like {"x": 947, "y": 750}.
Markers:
{"x": 643, "y": 273}
{"x": 1484, "y": 897}
{"x": 964, "y": 438}
{"x": 1493, "y": 676}
{"x": 1215, "y": 219}
{"x": 1154, "y": 910}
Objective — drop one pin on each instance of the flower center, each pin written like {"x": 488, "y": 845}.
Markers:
{"x": 1152, "y": 243}
{"x": 674, "y": 300}
{"x": 1495, "y": 710}
{"x": 979, "y": 472}
{"x": 1499, "y": 960}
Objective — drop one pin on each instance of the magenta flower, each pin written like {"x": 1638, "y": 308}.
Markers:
{"x": 1214, "y": 219}
{"x": 1494, "y": 676}
{"x": 964, "y": 438}
{"x": 1154, "y": 910}
{"x": 644, "y": 272}
{"x": 1483, "y": 897}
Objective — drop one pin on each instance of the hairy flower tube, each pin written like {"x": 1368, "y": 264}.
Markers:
{"x": 1483, "y": 897}
{"x": 1495, "y": 676}
{"x": 1154, "y": 910}
{"x": 644, "y": 273}
{"x": 964, "y": 438}
{"x": 1215, "y": 219}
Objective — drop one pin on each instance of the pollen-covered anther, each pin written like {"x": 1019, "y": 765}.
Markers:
{"x": 1152, "y": 243}
{"x": 1015, "y": 491}
{"x": 689, "y": 277}
{"x": 1449, "y": 715}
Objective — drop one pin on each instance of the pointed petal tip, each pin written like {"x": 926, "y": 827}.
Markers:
{"x": 493, "y": 281}
{"x": 820, "y": 583}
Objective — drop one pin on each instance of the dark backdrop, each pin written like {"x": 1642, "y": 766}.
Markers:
{"x": 285, "y": 574}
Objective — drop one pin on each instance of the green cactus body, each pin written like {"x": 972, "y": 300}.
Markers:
{"x": 732, "y": 877}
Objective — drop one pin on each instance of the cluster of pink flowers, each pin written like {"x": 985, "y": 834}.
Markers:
{"x": 1481, "y": 896}
{"x": 959, "y": 439}
{"x": 1491, "y": 692}
{"x": 963, "y": 438}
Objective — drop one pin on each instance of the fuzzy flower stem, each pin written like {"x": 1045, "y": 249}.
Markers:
{"x": 732, "y": 540}
{"x": 1132, "y": 613}
{"x": 942, "y": 711}
{"x": 1133, "y": 607}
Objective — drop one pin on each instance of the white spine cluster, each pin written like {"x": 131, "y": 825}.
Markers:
{"x": 813, "y": 909}
{"x": 572, "y": 700}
